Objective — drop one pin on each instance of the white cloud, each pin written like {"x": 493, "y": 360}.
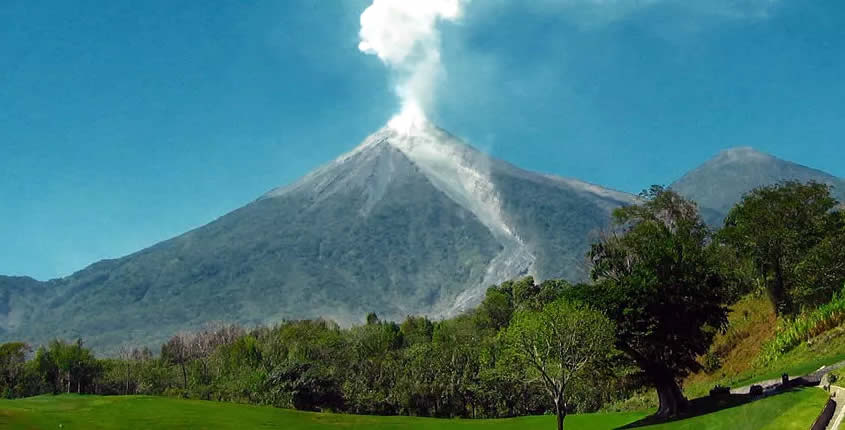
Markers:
{"x": 405, "y": 34}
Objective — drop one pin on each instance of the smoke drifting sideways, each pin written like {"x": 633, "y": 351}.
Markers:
{"x": 404, "y": 36}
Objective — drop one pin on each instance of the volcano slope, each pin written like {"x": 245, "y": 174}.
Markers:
{"x": 406, "y": 223}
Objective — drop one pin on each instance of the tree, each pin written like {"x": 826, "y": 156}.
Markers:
{"x": 821, "y": 272}
{"x": 551, "y": 290}
{"x": 416, "y": 385}
{"x": 125, "y": 354}
{"x": 457, "y": 345}
{"x": 501, "y": 301}
{"x": 45, "y": 367}
{"x": 524, "y": 292}
{"x": 87, "y": 369}
{"x": 176, "y": 351}
{"x": 658, "y": 281}
{"x": 559, "y": 343}
{"x": 202, "y": 344}
{"x": 306, "y": 386}
{"x": 372, "y": 318}
{"x": 777, "y": 226}
{"x": 416, "y": 330}
{"x": 12, "y": 360}
{"x": 369, "y": 376}
{"x": 72, "y": 363}
{"x": 496, "y": 310}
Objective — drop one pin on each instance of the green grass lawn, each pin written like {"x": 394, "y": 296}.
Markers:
{"x": 793, "y": 410}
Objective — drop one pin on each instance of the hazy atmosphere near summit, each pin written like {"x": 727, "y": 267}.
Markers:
{"x": 589, "y": 214}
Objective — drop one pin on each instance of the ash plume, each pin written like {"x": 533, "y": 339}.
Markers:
{"x": 404, "y": 35}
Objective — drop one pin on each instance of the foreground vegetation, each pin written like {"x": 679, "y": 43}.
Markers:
{"x": 672, "y": 305}
{"x": 792, "y": 410}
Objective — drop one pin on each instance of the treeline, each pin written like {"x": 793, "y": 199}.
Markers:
{"x": 661, "y": 286}
{"x": 461, "y": 367}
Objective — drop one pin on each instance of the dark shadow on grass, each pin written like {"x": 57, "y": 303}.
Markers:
{"x": 706, "y": 405}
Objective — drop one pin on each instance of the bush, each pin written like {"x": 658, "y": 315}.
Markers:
{"x": 719, "y": 391}
{"x": 176, "y": 392}
{"x": 712, "y": 362}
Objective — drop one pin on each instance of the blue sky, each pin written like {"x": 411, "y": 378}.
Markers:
{"x": 126, "y": 123}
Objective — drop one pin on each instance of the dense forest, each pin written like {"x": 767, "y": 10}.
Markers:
{"x": 662, "y": 283}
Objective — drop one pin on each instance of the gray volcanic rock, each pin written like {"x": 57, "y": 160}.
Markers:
{"x": 407, "y": 223}
{"x": 720, "y": 183}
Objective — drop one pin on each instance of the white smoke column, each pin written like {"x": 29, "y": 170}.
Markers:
{"x": 404, "y": 35}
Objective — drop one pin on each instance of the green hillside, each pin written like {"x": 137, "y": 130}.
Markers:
{"x": 793, "y": 410}
{"x": 738, "y": 350}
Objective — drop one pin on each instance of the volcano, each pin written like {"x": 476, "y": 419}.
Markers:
{"x": 720, "y": 183}
{"x": 411, "y": 222}
{"x": 408, "y": 223}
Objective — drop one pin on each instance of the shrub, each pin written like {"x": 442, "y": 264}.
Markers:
{"x": 176, "y": 392}
{"x": 712, "y": 362}
{"x": 719, "y": 391}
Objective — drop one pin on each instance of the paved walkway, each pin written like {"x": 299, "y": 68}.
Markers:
{"x": 767, "y": 385}
{"x": 827, "y": 369}
{"x": 838, "y": 394}
{"x": 773, "y": 384}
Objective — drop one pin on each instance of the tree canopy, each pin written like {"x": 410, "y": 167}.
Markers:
{"x": 778, "y": 228}
{"x": 558, "y": 344}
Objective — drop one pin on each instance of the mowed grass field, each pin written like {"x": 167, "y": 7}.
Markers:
{"x": 145, "y": 412}
{"x": 793, "y": 410}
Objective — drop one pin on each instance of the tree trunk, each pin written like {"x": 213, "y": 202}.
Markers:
{"x": 669, "y": 394}
{"x": 560, "y": 411}
{"x": 783, "y": 304}
{"x": 185, "y": 376}
{"x": 672, "y": 400}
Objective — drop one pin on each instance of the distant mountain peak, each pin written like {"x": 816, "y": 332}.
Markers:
{"x": 718, "y": 184}
{"x": 742, "y": 150}
{"x": 741, "y": 154}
